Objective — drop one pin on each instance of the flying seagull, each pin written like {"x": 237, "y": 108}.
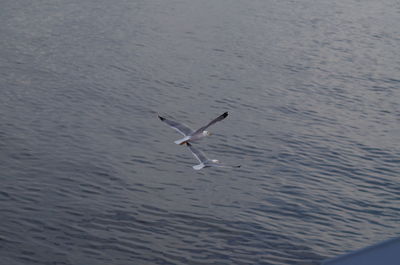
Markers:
{"x": 189, "y": 134}
{"x": 204, "y": 161}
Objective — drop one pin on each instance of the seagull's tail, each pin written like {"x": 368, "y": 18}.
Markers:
{"x": 198, "y": 167}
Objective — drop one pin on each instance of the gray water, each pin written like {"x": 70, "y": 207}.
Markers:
{"x": 89, "y": 175}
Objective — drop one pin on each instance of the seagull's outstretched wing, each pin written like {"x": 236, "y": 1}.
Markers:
{"x": 219, "y": 118}
{"x": 197, "y": 153}
{"x": 179, "y": 127}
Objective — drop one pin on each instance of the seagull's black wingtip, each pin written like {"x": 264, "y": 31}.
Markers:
{"x": 225, "y": 114}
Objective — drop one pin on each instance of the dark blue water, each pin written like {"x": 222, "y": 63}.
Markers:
{"x": 89, "y": 175}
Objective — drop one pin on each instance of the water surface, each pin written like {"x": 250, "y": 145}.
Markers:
{"x": 89, "y": 175}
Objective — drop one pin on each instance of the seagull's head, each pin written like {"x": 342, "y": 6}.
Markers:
{"x": 206, "y": 133}
{"x": 215, "y": 161}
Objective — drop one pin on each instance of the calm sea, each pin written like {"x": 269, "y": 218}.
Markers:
{"x": 89, "y": 175}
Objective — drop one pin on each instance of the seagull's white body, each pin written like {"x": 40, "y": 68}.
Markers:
{"x": 192, "y": 138}
{"x": 183, "y": 140}
{"x": 189, "y": 134}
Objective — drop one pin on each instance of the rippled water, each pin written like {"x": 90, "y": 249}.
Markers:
{"x": 89, "y": 175}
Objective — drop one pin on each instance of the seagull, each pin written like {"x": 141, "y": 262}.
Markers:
{"x": 204, "y": 161}
{"x": 189, "y": 134}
